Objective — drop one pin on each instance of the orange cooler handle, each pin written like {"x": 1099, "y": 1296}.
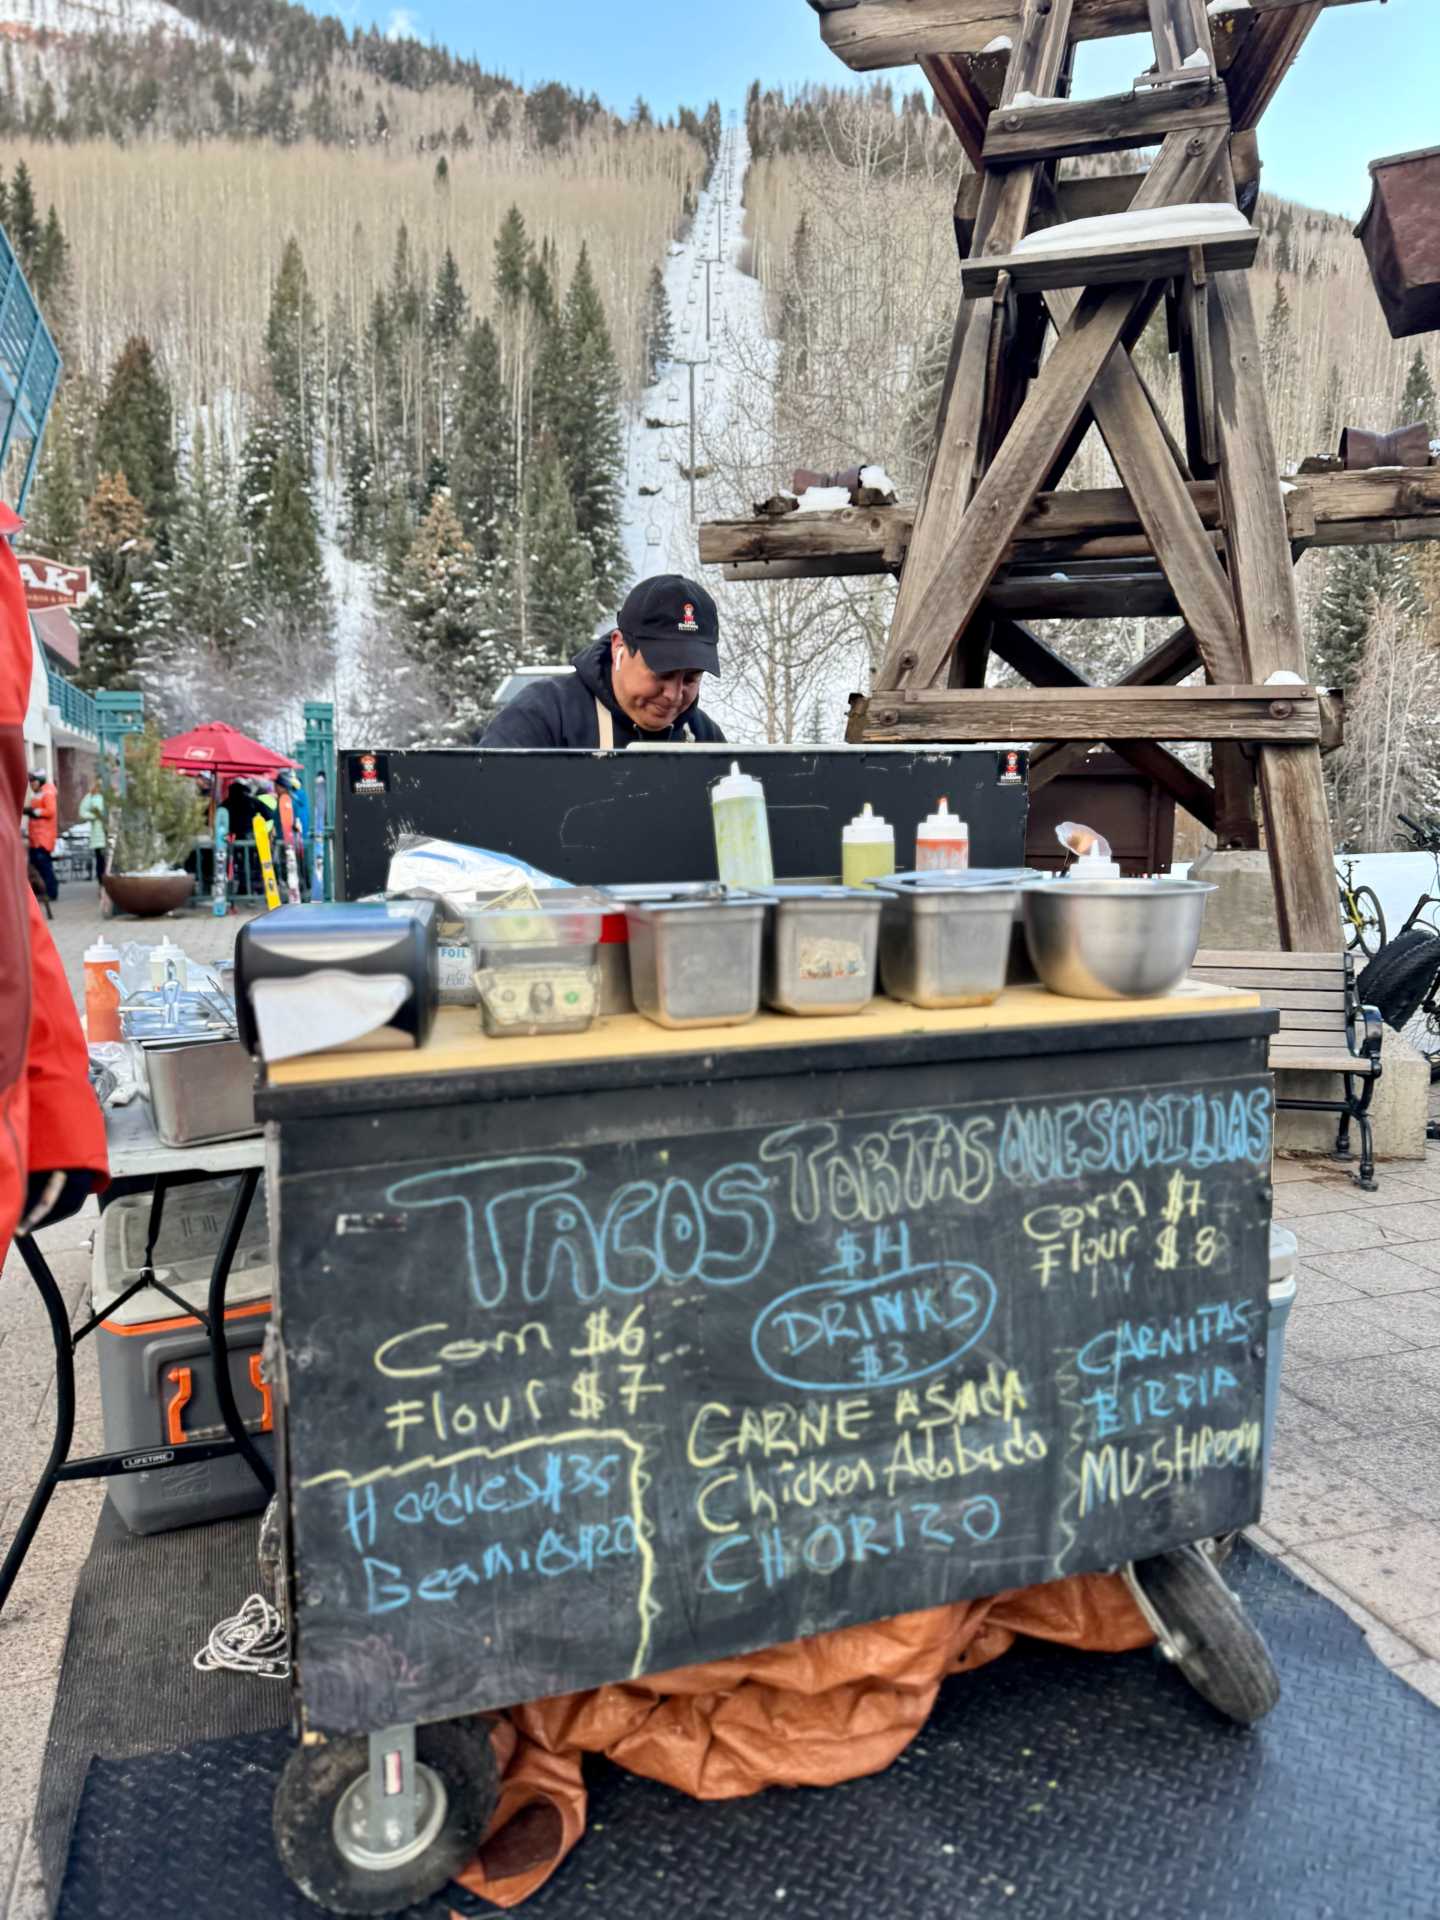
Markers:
{"x": 262, "y": 1387}
{"x": 175, "y": 1406}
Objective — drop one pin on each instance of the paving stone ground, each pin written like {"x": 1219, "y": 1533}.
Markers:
{"x": 1352, "y": 1504}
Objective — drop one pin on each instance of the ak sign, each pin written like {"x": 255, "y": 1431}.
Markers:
{"x": 49, "y": 584}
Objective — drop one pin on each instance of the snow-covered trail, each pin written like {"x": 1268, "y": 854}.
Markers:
{"x": 660, "y": 536}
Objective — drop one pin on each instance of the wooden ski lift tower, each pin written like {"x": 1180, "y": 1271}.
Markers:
{"x": 1204, "y": 531}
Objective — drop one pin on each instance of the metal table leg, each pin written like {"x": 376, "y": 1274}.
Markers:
{"x": 64, "y": 1412}
{"x": 59, "y": 1466}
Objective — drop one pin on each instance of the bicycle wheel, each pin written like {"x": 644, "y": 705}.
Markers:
{"x": 1398, "y": 979}
{"x": 1369, "y": 926}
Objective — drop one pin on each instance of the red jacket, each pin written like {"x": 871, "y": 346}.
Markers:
{"x": 41, "y": 825}
{"x": 48, "y": 1116}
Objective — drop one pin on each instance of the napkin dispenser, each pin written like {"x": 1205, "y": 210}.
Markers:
{"x": 363, "y": 939}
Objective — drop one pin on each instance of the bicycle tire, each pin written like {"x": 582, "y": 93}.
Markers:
{"x": 1369, "y": 929}
{"x": 1398, "y": 978}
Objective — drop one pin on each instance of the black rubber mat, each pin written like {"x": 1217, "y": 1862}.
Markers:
{"x": 1049, "y": 1784}
{"x": 143, "y": 1605}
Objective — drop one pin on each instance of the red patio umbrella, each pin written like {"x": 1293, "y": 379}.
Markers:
{"x": 222, "y": 750}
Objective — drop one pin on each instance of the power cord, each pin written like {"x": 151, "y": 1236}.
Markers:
{"x": 252, "y": 1641}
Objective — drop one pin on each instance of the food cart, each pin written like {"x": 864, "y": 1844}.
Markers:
{"x": 605, "y": 1353}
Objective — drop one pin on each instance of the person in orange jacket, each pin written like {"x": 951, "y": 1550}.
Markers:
{"x": 52, "y": 1132}
{"x": 42, "y": 811}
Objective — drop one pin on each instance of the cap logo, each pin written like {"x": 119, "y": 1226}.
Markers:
{"x": 689, "y": 624}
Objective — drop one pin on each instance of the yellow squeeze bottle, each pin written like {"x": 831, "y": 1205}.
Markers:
{"x": 867, "y": 849}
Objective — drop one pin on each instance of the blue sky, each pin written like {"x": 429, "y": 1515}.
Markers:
{"x": 1367, "y": 84}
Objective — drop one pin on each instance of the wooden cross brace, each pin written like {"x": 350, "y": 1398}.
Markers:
{"x": 1004, "y": 437}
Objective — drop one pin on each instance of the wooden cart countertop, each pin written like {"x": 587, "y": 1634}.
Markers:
{"x": 457, "y": 1044}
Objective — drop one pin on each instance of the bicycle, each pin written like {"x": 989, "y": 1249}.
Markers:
{"x": 1403, "y": 980}
{"x": 1361, "y": 915}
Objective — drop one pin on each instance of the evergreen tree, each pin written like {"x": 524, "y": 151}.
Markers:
{"x": 1357, "y": 580}
{"x": 23, "y": 223}
{"x": 540, "y": 285}
{"x": 585, "y": 426}
{"x": 440, "y": 597}
{"x": 449, "y": 304}
{"x": 563, "y": 605}
{"x": 1279, "y": 337}
{"x": 482, "y": 454}
{"x": 659, "y": 329}
{"x": 292, "y": 346}
{"x": 1417, "y": 402}
{"x": 286, "y": 553}
{"x": 57, "y": 507}
{"x": 204, "y": 606}
{"x": 258, "y": 459}
{"x": 50, "y": 267}
{"x": 512, "y": 258}
{"x": 134, "y": 434}
{"x": 117, "y": 623}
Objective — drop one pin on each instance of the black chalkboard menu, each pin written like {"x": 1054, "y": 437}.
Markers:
{"x": 579, "y": 1390}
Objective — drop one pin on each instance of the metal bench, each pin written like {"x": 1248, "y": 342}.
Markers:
{"x": 1323, "y": 1029}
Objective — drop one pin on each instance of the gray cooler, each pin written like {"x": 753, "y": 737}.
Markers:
{"x": 157, "y": 1387}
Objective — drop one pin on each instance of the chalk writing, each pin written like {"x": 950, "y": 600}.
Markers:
{"x": 676, "y": 1397}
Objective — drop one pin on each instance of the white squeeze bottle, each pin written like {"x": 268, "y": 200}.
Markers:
{"x": 867, "y": 848}
{"x": 742, "y": 830}
{"x": 943, "y": 842}
{"x": 1093, "y": 859}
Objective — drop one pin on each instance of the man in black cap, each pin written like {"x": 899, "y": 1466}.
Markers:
{"x": 640, "y": 682}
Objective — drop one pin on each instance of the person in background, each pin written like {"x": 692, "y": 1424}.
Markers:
{"x": 52, "y": 1132}
{"x": 93, "y": 810}
{"x": 42, "y": 814}
{"x": 290, "y": 783}
{"x": 639, "y": 682}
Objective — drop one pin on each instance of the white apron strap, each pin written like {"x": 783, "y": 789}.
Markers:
{"x": 605, "y": 720}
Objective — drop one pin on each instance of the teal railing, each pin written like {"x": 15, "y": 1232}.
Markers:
{"x": 77, "y": 708}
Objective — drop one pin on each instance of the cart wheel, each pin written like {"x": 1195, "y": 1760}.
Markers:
{"x": 1211, "y": 1640}
{"x": 320, "y": 1826}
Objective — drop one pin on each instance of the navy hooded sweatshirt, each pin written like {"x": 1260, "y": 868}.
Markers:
{"x": 561, "y": 712}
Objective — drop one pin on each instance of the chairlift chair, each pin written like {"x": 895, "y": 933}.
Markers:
{"x": 652, "y": 535}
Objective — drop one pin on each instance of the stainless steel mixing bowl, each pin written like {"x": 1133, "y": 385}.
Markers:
{"x": 1113, "y": 939}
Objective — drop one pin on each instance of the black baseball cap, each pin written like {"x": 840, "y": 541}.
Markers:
{"x": 674, "y": 624}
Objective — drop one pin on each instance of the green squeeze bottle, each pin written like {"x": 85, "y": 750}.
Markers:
{"x": 742, "y": 830}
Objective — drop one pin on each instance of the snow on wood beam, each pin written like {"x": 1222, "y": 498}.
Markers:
{"x": 1290, "y": 715}
{"x": 893, "y": 33}
{"x": 1109, "y": 265}
{"x": 1365, "y": 508}
{"x": 1054, "y": 130}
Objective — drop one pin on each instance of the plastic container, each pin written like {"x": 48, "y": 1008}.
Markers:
{"x": 162, "y": 958}
{"x": 537, "y": 966}
{"x": 867, "y": 848}
{"x": 1284, "y": 1252}
{"x": 102, "y": 996}
{"x": 821, "y": 946}
{"x": 742, "y": 830}
{"x": 942, "y": 843}
{"x": 157, "y": 1388}
{"x": 944, "y": 945}
{"x": 695, "y": 957}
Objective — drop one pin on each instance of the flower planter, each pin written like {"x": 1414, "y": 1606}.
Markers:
{"x": 148, "y": 895}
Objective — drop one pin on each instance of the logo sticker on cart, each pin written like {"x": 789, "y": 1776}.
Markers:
{"x": 1010, "y": 768}
{"x": 133, "y": 1462}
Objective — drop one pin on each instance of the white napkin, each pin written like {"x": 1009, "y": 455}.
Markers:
{"x": 321, "y": 1012}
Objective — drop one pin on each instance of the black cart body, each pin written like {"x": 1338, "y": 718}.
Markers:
{"x": 597, "y": 1368}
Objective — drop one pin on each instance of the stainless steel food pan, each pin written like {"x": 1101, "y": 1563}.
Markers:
{"x": 820, "y": 950}
{"x": 945, "y": 946}
{"x": 695, "y": 959}
{"x": 200, "y": 1090}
